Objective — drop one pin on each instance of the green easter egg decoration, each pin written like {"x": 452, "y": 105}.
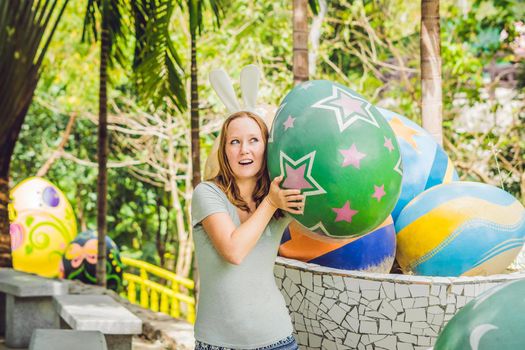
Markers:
{"x": 335, "y": 146}
{"x": 493, "y": 320}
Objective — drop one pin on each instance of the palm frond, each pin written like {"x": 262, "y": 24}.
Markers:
{"x": 119, "y": 32}
{"x": 26, "y": 28}
{"x": 158, "y": 68}
{"x": 314, "y": 6}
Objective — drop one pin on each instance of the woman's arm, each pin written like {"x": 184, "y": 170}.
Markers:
{"x": 234, "y": 244}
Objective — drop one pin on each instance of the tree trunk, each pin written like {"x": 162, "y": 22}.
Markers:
{"x": 102, "y": 184}
{"x": 6, "y": 153}
{"x": 5, "y": 237}
{"x": 315, "y": 35}
{"x": 195, "y": 141}
{"x": 431, "y": 93}
{"x": 300, "y": 41}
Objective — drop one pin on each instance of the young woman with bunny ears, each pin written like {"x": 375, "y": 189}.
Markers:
{"x": 237, "y": 227}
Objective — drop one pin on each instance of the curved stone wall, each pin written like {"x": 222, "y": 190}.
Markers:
{"x": 338, "y": 309}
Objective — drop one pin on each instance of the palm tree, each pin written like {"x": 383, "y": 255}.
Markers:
{"x": 300, "y": 38}
{"x": 149, "y": 16}
{"x": 300, "y": 41}
{"x": 196, "y": 10}
{"x": 26, "y": 29}
{"x": 103, "y": 144}
{"x": 431, "y": 94}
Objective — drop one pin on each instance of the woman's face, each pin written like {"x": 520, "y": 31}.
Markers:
{"x": 244, "y": 147}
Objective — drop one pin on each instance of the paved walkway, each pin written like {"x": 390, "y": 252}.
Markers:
{"x": 158, "y": 328}
{"x": 138, "y": 344}
{"x": 159, "y": 331}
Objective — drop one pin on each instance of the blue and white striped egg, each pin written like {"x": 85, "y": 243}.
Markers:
{"x": 460, "y": 229}
{"x": 425, "y": 163}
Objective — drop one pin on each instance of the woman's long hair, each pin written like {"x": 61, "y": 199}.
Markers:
{"x": 225, "y": 179}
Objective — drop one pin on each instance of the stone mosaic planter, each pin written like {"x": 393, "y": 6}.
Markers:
{"x": 339, "y": 309}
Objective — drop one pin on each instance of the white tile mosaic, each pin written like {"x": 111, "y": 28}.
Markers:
{"x": 389, "y": 289}
{"x": 434, "y": 290}
{"x": 337, "y": 314}
{"x": 339, "y": 283}
{"x": 385, "y": 327}
{"x": 370, "y": 294}
{"x": 368, "y": 327}
{"x": 353, "y": 323}
{"x": 421, "y": 302}
{"x": 307, "y": 280}
{"x": 400, "y": 327}
{"x": 335, "y": 309}
{"x": 432, "y": 300}
{"x": 407, "y": 303}
{"x": 388, "y": 342}
{"x": 352, "y": 284}
{"x": 412, "y": 315}
{"x": 314, "y": 340}
{"x": 374, "y": 305}
{"x": 457, "y": 289}
{"x": 369, "y": 285}
{"x": 278, "y": 271}
{"x": 397, "y": 305}
{"x": 407, "y": 338}
{"x": 461, "y": 301}
{"x": 365, "y": 339}
{"x": 435, "y": 310}
{"x": 328, "y": 302}
{"x": 328, "y": 345}
{"x": 419, "y": 290}
{"x": 388, "y": 310}
{"x": 402, "y": 291}
{"x": 352, "y": 339}
{"x": 303, "y": 337}
{"x": 294, "y": 275}
{"x": 405, "y": 346}
{"x": 416, "y": 331}
{"x": 470, "y": 290}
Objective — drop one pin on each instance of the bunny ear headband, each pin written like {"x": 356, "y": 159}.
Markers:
{"x": 222, "y": 84}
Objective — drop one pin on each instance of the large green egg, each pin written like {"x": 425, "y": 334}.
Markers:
{"x": 493, "y": 320}
{"x": 335, "y": 146}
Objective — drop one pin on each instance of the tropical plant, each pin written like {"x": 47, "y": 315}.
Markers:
{"x": 147, "y": 15}
{"x": 27, "y": 28}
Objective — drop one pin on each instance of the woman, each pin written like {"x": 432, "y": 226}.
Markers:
{"x": 237, "y": 230}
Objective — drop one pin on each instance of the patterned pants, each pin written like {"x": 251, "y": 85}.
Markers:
{"x": 287, "y": 343}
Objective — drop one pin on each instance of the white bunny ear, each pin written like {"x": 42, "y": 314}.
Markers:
{"x": 250, "y": 76}
{"x": 222, "y": 84}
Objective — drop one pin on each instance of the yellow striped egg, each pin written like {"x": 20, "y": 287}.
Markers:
{"x": 460, "y": 229}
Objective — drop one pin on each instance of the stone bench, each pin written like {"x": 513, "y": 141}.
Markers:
{"x": 26, "y": 303}
{"x": 99, "y": 313}
{"x": 62, "y": 339}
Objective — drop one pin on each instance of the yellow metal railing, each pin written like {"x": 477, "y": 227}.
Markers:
{"x": 152, "y": 295}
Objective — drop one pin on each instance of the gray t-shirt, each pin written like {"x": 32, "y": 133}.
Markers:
{"x": 239, "y": 306}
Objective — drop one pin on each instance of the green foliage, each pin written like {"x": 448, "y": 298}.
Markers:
{"x": 370, "y": 46}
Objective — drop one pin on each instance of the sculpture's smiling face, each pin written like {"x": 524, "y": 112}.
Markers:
{"x": 244, "y": 147}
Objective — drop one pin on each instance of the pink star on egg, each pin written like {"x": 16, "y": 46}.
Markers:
{"x": 295, "y": 178}
{"x": 349, "y": 105}
{"x": 288, "y": 123}
{"x": 352, "y": 157}
{"x": 388, "y": 144}
{"x": 345, "y": 213}
{"x": 379, "y": 192}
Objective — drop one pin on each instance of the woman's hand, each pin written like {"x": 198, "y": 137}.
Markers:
{"x": 291, "y": 201}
